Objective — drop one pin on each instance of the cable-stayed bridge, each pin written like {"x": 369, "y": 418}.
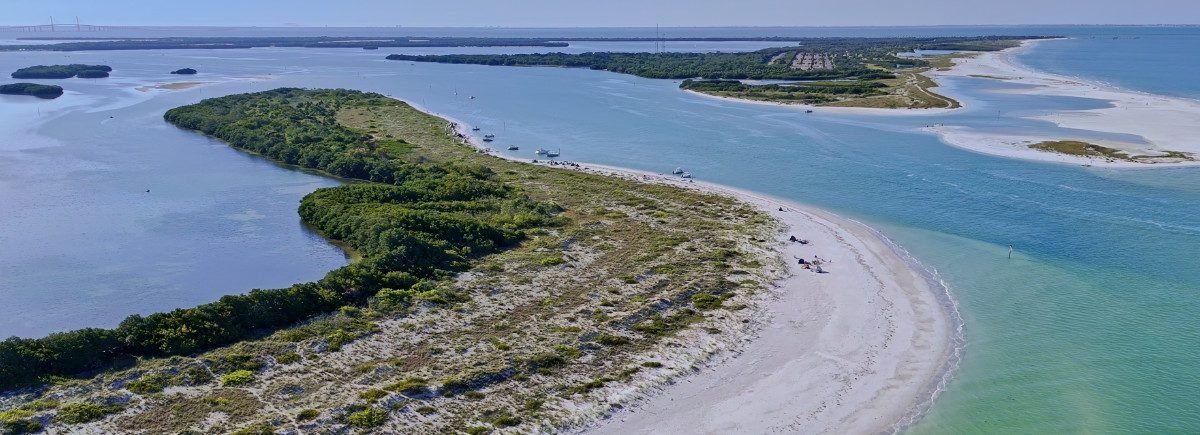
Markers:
{"x": 53, "y": 26}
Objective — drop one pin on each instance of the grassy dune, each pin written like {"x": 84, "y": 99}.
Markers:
{"x": 1084, "y": 149}
{"x": 911, "y": 89}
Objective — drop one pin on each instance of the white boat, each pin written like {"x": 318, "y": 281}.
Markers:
{"x": 677, "y": 171}
{"x": 686, "y": 175}
{"x": 542, "y": 151}
{"x": 553, "y": 153}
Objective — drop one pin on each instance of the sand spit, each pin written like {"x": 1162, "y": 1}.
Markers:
{"x": 861, "y": 348}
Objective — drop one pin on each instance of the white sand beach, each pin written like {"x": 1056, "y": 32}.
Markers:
{"x": 863, "y": 348}
{"x": 860, "y": 349}
{"x": 173, "y": 86}
{"x": 1165, "y": 123}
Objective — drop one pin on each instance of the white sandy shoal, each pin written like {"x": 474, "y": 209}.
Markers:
{"x": 864, "y": 348}
{"x": 1165, "y": 123}
{"x": 1016, "y": 145}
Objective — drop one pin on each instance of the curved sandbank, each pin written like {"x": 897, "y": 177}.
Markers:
{"x": 862, "y": 348}
{"x": 1165, "y": 123}
{"x": 173, "y": 86}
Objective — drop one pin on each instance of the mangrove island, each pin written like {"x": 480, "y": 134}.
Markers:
{"x": 48, "y": 92}
{"x": 62, "y": 71}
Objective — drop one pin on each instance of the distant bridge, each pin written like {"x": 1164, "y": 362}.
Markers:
{"x": 57, "y": 27}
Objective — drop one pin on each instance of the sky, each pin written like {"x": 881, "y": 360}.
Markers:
{"x": 598, "y": 13}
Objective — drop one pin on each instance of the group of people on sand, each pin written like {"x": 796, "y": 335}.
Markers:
{"x": 558, "y": 163}
{"x": 814, "y": 264}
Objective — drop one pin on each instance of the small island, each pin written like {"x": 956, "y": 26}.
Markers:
{"x": 184, "y": 71}
{"x": 1090, "y": 150}
{"x": 845, "y": 72}
{"x": 48, "y": 92}
{"x": 63, "y": 71}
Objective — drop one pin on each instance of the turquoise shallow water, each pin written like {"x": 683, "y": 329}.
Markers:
{"x": 1089, "y": 328}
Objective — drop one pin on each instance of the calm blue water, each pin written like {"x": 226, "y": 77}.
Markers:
{"x": 1089, "y": 328}
{"x": 1155, "y": 60}
{"x": 106, "y": 211}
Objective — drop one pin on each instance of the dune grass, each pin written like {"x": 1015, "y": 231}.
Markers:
{"x": 1085, "y": 149}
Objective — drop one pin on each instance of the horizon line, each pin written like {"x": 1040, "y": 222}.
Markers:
{"x": 284, "y": 26}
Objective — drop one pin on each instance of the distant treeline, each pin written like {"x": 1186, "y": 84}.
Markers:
{"x": 78, "y": 44}
{"x": 851, "y": 87}
{"x": 751, "y": 65}
{"x": 413, "y": 224}
{"x": 307, "y": 42}
{"x": 803, "y": 92}
{"x": 852, "y": 58}
{"x": 62, "y": 71}
{"x": 48, "y": 92}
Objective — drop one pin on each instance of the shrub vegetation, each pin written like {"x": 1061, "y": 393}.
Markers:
{"x": 62, "y": 71}
{"x": 414, "y": 225}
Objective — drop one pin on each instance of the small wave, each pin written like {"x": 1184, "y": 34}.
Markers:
{"x": 1168, "y": 227}
{"x": 1080, "y": 189}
